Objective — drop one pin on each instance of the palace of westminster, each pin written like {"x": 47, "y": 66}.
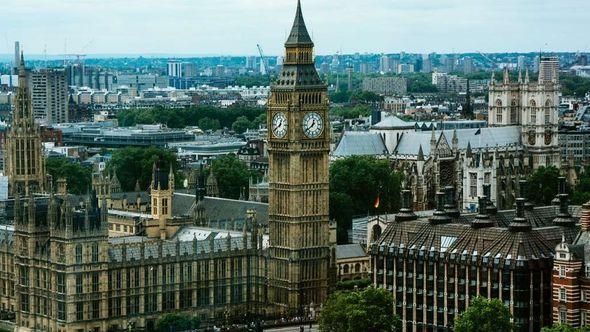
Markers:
{"x": 84, "y": 263}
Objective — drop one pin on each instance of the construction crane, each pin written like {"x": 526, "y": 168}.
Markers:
{"x": 487, "y": 58}
{"x": 263, "y": 62}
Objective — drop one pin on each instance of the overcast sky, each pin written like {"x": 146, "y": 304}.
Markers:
{"x": 234, "y": 27}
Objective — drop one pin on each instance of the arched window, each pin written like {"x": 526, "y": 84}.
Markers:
{"x": 533, "y": 103}
{"x": 499, "y": 103}
{"x": 346, "y": 269}
{"x": 514, "y": 111}
{"x": 95, "y": 252}
{"x": 533, "y": 116}
{"x": 376, "y": 232}
{"x": 548, "y": 111}
{"x": 357, "y": 267}
{"x": 79, "y": 254}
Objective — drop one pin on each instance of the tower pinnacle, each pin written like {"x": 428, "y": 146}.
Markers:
{"x": 299, "y": 35}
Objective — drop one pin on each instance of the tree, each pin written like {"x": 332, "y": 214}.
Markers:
{"x": 362, "y": 310}
{"x": 209, "y": 124}
{"x": 484, "y": 315}
{"x": 132, "y": 164}
{"x": 233, "y": 176}
{"x": 78, "y": 177}
{"x": 581, "y": 193}
{"x": 241, "y": 125}
{"x": 543, "y": 185}
{"x": 355, "y": 184}
{"x": 177, "y": 322}
{"x": 564, "y": 328}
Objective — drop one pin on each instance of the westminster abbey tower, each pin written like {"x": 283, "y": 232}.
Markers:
{"x": 299, "y": 144}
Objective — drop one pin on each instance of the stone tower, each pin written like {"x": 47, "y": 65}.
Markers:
{"x": 24, "y": 164}
{"x": 532, "y": 106}
{"x": 299, "y": 141}
{"x": 162, "y": 191}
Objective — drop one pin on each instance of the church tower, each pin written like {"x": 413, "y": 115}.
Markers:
{"x": 162, "y": 192}
{"x": 534, "y": 107}
{"x": 24, "y": 164}
{"x": 299, "y": 143}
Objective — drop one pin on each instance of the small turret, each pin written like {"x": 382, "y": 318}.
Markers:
{"x": 519, "y": 223}
{"x": 440, "y": 216}
{"x": 482, "y": 219}
{"x": 506, "y": 76}
{"x": 450, "y": 204}
{"x": 406, "y": 213}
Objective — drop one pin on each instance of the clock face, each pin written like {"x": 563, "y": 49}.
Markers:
{"x": 313, "y": 125}
{"x": 279, "y": 125}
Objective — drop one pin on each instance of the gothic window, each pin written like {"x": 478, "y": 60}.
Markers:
{"x": 486, "y": 178}
{"x": 533, "y": 116}
{"x": 154, "y": 206}
{"x": 79, "y": 287}
{"x": 164, "y": 205}
{"x": 95, "y": 282}
{"x": 473, "y": 184}
{"x": 94, "y": 253}
{"x": 562, "y": 316}
{"x": 499, "y": 116}
{"x": 80, "y": 311}
{"x": 95, "y": 309}
{"x": 547, "y": 116}
{"x": 376, "y": 232}
{"x": 514, "y": 112}
{"x": 79, "y": 254}
{"x": 357, "y": 268}
{"x": 346, "y": 269}
{"x": 499, "y": 103}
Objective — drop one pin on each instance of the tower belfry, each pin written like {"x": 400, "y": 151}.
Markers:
{"x": 299, "y": 144}
{"x": 24, "y": 166}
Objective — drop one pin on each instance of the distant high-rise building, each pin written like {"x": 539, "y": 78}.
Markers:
{"x": 426, "y": 65}
{"x": 16, "y": 57}
{"x": 174, "y": 68}
{"x": 251, "y": 62}
{"x": 536, "y": 62}
{"x": 364, "y": 68}
{"x": 468, "y": 66}
{"x": 189, "y": 70}
{"x": 548, "y": 69}
{"x": 404, "y": 68}
{"x": 49, "y": 94}
{"x": 385, "y": 64}
{"x": 582, "y": 60}
{"x": 521, "y": 61}
{"x": 325, "y": 68}
{"x": 349, "y": 71}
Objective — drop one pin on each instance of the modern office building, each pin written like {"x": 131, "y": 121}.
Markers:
{"x": 386, "y": 85}
{"x": 50, "y": 95}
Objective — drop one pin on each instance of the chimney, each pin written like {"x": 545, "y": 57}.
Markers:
{"x": 406, "y": 213}
{"x": 482, "y": 219}
{"x": 519, "y": 223}
{"x": 564, "y": 218}
{"x": 523, "y": 188}
{"x": 440, "y": 216}
{"x": 491, "y": 209}
{"x": 450, "y": 204}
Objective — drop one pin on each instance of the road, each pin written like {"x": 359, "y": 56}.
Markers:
{"x": 314, "y": 328}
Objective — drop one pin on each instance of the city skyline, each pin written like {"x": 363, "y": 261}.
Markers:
{"x": 234, "y": 27}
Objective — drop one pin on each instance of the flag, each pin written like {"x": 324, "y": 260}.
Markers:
{"x": 478, "y": 132}
{"x": 377, "y": 202}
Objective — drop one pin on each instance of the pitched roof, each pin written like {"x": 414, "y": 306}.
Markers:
{"x": 344, "y": 251}
{"x": 360, "y": 143}
{"x": 393, "y": 122}
{"x": 491, "y": 137}
{"x": 299, "y": 34}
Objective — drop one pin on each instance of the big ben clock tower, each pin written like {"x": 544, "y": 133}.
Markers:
{"x": 299, "y": 144}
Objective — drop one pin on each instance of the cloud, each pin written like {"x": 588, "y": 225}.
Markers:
{"x": 236, "y": 26}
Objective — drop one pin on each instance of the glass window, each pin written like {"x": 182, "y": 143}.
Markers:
{"x": 79, "y": 254}
{"x": 94, "y": 252}
{"x": 473, "y": 184}
{"x": 562, "y": 294}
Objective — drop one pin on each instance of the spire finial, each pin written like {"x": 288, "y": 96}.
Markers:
{"x": 299, "y": 34}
